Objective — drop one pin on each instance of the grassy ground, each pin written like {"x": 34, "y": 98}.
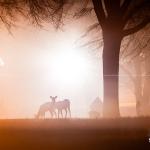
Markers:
{"x": 75, "y": 134}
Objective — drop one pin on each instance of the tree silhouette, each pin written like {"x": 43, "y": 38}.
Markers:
{"x": 134, "y": 61}
{"x": 36, "y": 11}
{"x": 117, "y": 19}
{"x": 138, "y": 55}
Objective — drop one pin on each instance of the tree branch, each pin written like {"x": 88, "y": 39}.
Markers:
{"x": 112, "y": 7}
{"x": 127, "y": 16}
{"x": 136, "y": 28}
{"x": 125, "y": 6}
{"x": 99, "y": 11}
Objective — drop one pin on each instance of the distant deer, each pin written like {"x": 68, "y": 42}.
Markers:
{"x": 46, "y": 107}
{"x": 62, "y": 105}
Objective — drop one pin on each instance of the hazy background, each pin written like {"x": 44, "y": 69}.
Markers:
{"x": 27, "y": 79}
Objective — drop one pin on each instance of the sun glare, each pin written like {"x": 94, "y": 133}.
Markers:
{"x": 1, "y": 62}
{"x": 69, "y": 66}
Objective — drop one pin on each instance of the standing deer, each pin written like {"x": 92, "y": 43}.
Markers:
{"x": 62, "y": 105}
{"x": 46, "y": 107}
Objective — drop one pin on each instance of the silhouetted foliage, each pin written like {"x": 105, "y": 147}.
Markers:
{"x": 137, "y": 54}
{"x": 36, "y": 11}
{"x": 117, "y": 19}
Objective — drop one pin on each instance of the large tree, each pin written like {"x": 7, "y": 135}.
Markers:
{"x": 117, "y": 18}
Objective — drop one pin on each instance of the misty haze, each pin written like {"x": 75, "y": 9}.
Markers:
{"x": 74, "y": 74}
{"x": 32, "y": 69}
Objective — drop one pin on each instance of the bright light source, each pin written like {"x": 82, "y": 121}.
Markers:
{"x": 1, "y": 62}
{"x": 69, "y": 66}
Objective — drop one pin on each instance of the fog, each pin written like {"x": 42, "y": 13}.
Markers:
{"x": 27, "y": 79}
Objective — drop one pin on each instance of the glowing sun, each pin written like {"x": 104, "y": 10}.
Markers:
{"x": 1, "y": 62}
{"x": 69, "y": 66}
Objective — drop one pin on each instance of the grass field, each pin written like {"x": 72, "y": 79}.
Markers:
{"x": 75, "y": 134}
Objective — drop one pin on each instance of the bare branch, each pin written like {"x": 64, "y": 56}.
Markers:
{"x": 125, "y": 47}
{"x": 128, "y": 15}
{"x": 92, "y": 42}
{"x": 136, "y": 28}
{"x": 86, "y": 8}
{"x": 99, "y": 12}
{"x": 125, "y": 6}
{"x": 83, "y": 12}
{"x": 112, "y": 7}
{"x": 90, "y": 28}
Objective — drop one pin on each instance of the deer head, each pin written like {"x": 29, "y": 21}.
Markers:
{"x": 53, "y": 98}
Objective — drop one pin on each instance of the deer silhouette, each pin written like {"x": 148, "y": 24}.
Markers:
{"x": 46, "y": 107}
{"x": 61, "y": 105}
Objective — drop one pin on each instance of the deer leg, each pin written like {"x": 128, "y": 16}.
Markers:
{"x": 69, "y": 111}
{"x": 58, "y": 113}
{"x": 65, "y": 112}
{"x": 38, "y": 115}
{"x": 61, "y": 113}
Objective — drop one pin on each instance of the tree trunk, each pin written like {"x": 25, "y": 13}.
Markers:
{"x": 138, "y": 85}
{"x": 146, "y": 87}
{"x": 112, "y": 42}
{"x": 142, "y": 87}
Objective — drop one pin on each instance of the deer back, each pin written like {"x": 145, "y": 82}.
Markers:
{"x": 62, "y": 104}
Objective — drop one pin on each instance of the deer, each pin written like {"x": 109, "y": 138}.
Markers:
{"x": 46, "y": 107}
{"x": 61, "y": 105}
